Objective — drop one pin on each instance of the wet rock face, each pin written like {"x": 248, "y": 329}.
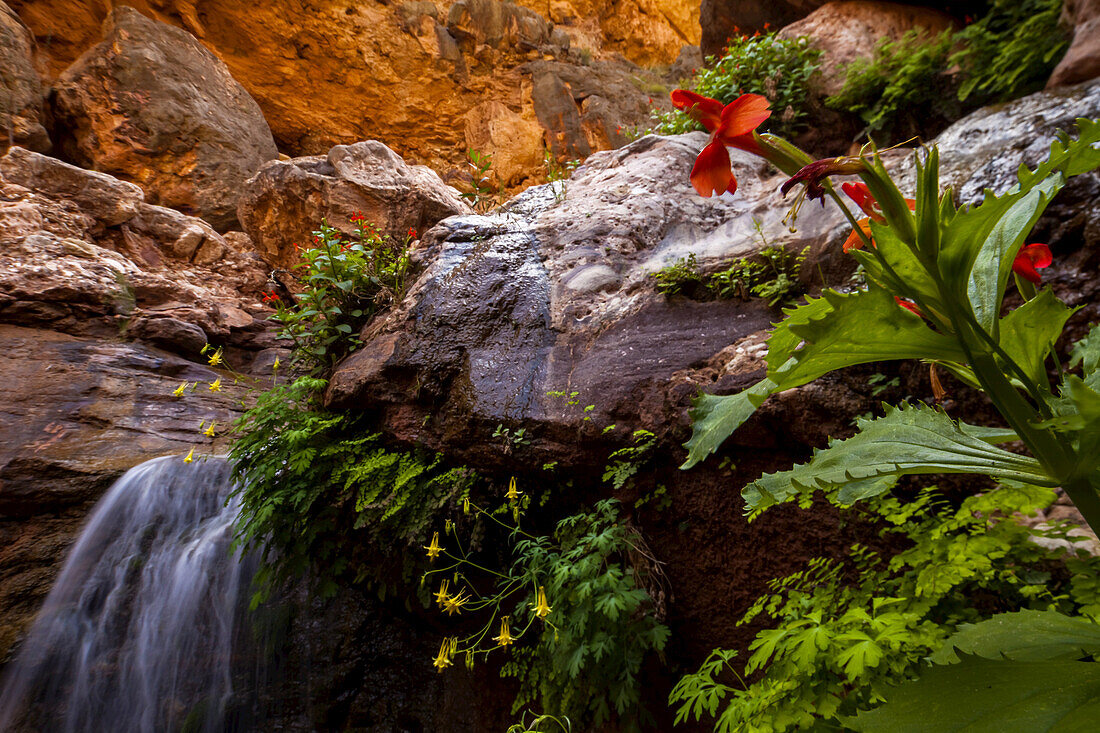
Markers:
{"x": 152, "y": 106}
{"x": 1082, "y": 60}
{"x": 77, "y": 413}
{"x": 286, "y": 201}
{"x": 553, "y": 293}
{"x": 21, "y": 92}
{"x": 984, "y": 150}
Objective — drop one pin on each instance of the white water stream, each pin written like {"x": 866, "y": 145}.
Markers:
{"x": 138, "y": 632}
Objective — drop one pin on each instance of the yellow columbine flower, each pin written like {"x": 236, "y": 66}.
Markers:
{"x": 453, "y": 604}
{"x": 188, "y": 458}
{"x": 276, "y": 364}
{"x": 441, "y": 595}
{"x": 216, "y": 385}
{"x": 446, "y": 650}
{"x": 466, "y": 505}
{"x": 434, "y": 548}
{"x": 210, "y": 430}
{"x": 216, "y": 357}
{"x": 541, "y": 608}
{"x": 505, "y": 637}
{"x": 512, "y": 494}
{"x": 178, "y": 392}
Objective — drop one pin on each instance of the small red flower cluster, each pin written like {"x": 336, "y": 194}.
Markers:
{"x": 358, "y": 218}
{"x": 270, "y": 297}
{"x": 412, "y": 234}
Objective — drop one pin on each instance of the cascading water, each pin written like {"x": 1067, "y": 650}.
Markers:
{"x": 138, "y": 632}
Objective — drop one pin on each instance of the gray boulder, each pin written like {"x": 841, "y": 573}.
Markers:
{"x": 152, "y": 106}
{"x": 286, "y": 201}
{"x": 20, "y": 88}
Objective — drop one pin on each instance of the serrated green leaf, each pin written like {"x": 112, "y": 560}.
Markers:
{"x": 982, "y": 696}
{"x": 1028, "y": 333}
{"x": 715, "y": 417}
{"x": 1024, "y": 636}
{"x": 861, "y": 327}
{"x": 906, "y": 441}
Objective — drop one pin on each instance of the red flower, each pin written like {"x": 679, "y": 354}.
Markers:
{"x": 731, "y": 125}
{"x": 908, "y": 305}
{"x": 269, "y": 297}
{"x": 412, "y": 234}
{"x": 358, "y": 217}
{"x": 854, "y": 241}
{"x": 859, "y": 193}
{"x": 1030, "y": 259}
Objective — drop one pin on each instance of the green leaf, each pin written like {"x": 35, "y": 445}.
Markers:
{"x": 861, "y": 327}
{"x": 906, "y": 441}
{"x": 1086, "y": 352}
{"x": 715, "y": 417}
{"x": 1028, "y": 333}
{"x": 982, "y": 696}
{"x": 1070, "y": 156}
{"x": 1025, "y": 636}
{"x": 993, "y": 262}
{"x": 989, "y": 435}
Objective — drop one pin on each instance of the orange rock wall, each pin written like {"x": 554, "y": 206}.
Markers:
{"x": 326, "y": 73}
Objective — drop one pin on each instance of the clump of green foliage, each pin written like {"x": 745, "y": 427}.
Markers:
{"x": 778, "y": 68}
{"x": 842, "y": 632}
{"x": 344, "y": 282}
{"x": 1008, "y": 52}
{"x": 1011, "y": 50}
{"x": 682, "y": 277}
{"x": 772, "y": 274}
{"x": 902, "y": 85}
{"x": 586, "y": 661}
{"x": 322, "y": 494}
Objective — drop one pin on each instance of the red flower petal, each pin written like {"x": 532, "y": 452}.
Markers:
{"x": 703, "y": 110}
{"x": 854, "y": 241}
{"x": 1030, "y": 259}
{"x": 909, "y": 306}
{"x": 742, "y": 116}
{"x": 859, "y": 193}
{"x": 745, "y": 142}
{"x": 711, "y": 174}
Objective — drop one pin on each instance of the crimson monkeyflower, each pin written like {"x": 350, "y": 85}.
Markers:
{"x": 730, "y": 125}
{"x": 861, "y": 194}
{"x": 1030, "y": 259}
{"x": 358, "y": 217}
{"x": 412, "y": 234}
{"x": 269, "y": 297}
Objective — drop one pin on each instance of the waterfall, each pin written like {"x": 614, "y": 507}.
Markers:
{"x": 138, "y": 632}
